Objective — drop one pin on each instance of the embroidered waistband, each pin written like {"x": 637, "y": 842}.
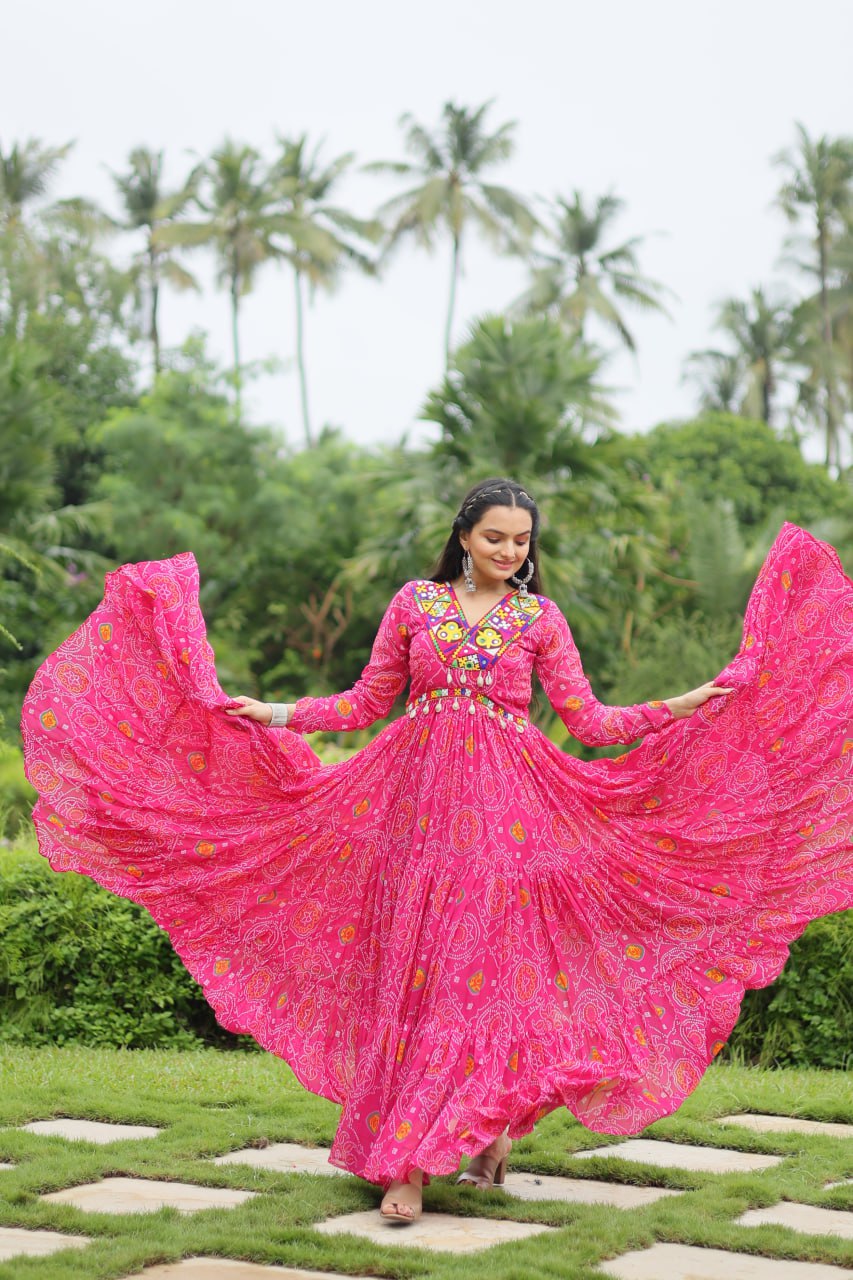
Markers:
{"x": 436, "y": 699}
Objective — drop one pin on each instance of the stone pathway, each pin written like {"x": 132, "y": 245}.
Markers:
{"x": 436, "y": 1231}
{"x": 449, "y": 1232}
{"x": 621, "y": 1195}
{"x": 674, "y": 1155}
{"x": 230, "y": 1269}
{"x": 284, "y": 1157}
{"x": 787, "y": 1124}
{"x": 685, "y": 1262}
{"x": 18, "y": 1242}
{"x": 90, "y": 1130}
{"x": 144, "y": 1195}
{"x": 801, "y": 1217}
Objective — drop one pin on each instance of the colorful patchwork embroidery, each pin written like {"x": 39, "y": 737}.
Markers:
{"x": 476, "y": 646}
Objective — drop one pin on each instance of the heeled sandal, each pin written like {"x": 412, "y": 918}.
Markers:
{"x": 395, "y": 1199}
{"x": 488, "y": 1169}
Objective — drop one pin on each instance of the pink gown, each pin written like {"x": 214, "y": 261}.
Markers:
{"x": 460, "y": 927}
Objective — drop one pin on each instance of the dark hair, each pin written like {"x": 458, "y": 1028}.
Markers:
{"x": 495, "y": 492}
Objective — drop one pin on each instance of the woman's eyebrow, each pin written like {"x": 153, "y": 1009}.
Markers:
{"x": 525, "y": 534}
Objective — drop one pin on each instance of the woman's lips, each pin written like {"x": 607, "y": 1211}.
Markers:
{"x": 502, "y": 565}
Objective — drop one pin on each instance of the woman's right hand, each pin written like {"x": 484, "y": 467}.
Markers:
{"x": 251, "y": 709}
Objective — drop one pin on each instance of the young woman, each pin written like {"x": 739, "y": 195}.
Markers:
{"x": 460, "y": 928}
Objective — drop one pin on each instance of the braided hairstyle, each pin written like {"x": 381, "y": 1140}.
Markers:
{"x": 495, "y": 492}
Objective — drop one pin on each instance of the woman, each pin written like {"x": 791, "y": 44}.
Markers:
{"x": 461, "y": 928}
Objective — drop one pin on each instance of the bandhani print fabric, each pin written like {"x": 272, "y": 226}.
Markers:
{"x": 460, "y": 928}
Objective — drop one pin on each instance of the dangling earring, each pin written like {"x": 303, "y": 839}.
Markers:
{"x": 521, "y": 583}
{"x": 468, "y": 571}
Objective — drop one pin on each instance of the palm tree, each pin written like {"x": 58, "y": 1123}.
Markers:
{"x": 148, "y": 205}
{"x": 316, "y": 237}
{"x": 818, "y": 186}
{"x": 581, "y": 278}
{"x": 238, "y": 202}
{"x": 25, "y": 174}
{"x": 451, "y": 191}
{"x": 39, "y": 257}
{"x": 720, "y": 378}
{"x": 762, "y": 333}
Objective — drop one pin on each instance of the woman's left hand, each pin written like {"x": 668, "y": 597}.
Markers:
{"x": 687, "y": 703}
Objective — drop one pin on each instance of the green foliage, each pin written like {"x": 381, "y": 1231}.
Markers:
{"x": 743, "y": 461}
{"x": 517, "y": 398}
{"x": 17, "y": 797}
{"x": 79, "y": 965}
{"x": 178, "y": 473}
{"x": 806, "y": 1016}
{"x": 681, "y": 652}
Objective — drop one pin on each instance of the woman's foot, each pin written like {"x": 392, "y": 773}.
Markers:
{"x": 488, "y": 1169}
{"x": 402, "y": 1201}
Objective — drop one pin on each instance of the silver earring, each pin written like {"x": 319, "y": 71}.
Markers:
{"x": 521, "y": 583}
{"x": 468, "y": 571}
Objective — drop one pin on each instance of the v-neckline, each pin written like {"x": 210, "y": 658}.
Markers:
{"x": 472, "y": 625}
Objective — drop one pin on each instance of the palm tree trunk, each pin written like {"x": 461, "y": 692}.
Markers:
{"x": 154, "y": 286}
{"x": 826, "y": 317}
{"x": 300, "y": 360}
{"x": 451, "y": 306}
{"x": 235, "y": 333}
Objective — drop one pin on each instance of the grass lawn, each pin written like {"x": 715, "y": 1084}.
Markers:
{"x": 211, "y": 1102}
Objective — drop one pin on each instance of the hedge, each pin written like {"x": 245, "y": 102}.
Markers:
{"x": 79, "y": 964}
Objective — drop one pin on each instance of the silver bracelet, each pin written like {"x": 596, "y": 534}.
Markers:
{"x": 280, "y": 714}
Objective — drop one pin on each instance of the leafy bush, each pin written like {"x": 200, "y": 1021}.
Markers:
{"x": 806, "y": 1017}
{"x": 17, "y": 797}
{"x": 78, "y": 964}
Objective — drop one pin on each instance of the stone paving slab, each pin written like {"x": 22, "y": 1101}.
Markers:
{"x": 801, "y": 1217}
{"x": 3, "y": 1165}
{"x": 540, "y": 1186}
{"x": 437, "y": 1231}
{"x": 787, "y": 1124}
{"x": 90, "y": 1130}
{"x": 845, "y": 1182}
{"x": 686, "y": 1262}
{"x": 232, "y": 1269}
{"x": 18, "y": 1241}
{"x": 285, "y": 1157}
{"x": 144, "y": 1195}
{"x": 675, "y": 1155}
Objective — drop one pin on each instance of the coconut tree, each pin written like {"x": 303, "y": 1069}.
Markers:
{"x": 451, "y": 190}
{"x": 720, "y": 378}
{"x": 25, "y": 173}
{"x": 237, "y": 199}
{"x": 149, "y": 206}
{"x": 317, "y": 237}
{"x": 818, "y": 191}
{"x": 762, "y": 333}
{"x": 578, "y": 276}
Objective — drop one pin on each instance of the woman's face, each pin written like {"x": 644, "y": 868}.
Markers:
{"x": 499, "y": 543}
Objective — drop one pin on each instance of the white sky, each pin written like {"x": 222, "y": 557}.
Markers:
{"x": 675, "y": 106}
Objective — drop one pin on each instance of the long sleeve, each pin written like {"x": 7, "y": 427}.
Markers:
{"x": 373, "y": 694}
{"x": 561, "y": 674}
